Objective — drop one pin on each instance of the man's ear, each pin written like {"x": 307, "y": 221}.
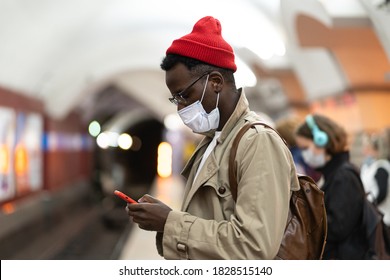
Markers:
{"x": 217, "y": 81}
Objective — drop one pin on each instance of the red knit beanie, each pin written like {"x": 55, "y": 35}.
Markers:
{"x": 205, "y": 43}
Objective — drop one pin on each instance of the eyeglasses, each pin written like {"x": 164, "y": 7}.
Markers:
{"x": 181, "y": 97}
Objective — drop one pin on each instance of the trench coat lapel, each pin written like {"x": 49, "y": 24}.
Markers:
{"x": 209, "y": 169}
{"x": 192, "y": 165}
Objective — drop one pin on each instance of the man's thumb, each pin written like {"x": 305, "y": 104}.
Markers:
{"x": 147, "y": 198}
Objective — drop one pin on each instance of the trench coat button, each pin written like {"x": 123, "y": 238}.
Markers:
{"x": 221, "y": 190}
{"x": 181, "y": 247}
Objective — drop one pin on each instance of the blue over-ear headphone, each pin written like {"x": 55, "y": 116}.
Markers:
{"x": 320, "y": 137}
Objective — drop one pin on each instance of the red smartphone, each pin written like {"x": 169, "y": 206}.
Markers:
{"x": 124, "y": 197}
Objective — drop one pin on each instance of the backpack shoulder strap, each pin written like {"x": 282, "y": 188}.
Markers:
{"x": 233, "y": 152}
{"x": 355, "y": 171}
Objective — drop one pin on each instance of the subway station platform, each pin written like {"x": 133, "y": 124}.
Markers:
{"x": 68, "y": 225}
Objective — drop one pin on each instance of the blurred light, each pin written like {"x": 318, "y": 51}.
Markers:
{"x": 4, "y": 159}
{"x": 8, "y": 208}
{"x": 102, "y": 141}
{"x": 125, "y": 141}
{"x": 164, "y": 160}
{"x": 173, "y": 121}
{"x": 137, "y": 144}
{"x": 21, "y": 160}
{"x": 107, "y": 139}
{"x": 94, "y": 128}
{"x": 113, "y": 138}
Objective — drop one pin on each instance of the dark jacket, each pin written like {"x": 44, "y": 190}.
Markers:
{"x": 344, "y": 204}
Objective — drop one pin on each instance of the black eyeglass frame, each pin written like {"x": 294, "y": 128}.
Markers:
{"x": 178, "y": 98}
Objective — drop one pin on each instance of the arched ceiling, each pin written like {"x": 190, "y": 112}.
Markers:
{"x": 63, "y": 51}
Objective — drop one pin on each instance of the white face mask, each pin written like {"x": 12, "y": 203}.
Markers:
{"x": 313, "y": 160}
{"x": 195, "y": 117}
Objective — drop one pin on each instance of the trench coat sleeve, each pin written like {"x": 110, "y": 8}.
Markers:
{"x": 255, "y": 229}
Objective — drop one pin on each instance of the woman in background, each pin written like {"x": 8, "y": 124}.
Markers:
{"x": 324, "y": 145}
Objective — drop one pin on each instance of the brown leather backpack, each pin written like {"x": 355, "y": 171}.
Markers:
{"x": 306, "y": 229}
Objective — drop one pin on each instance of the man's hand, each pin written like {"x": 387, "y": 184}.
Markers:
{"x": 150, "y": 213}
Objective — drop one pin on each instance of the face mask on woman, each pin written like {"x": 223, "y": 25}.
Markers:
{"x": 195, "y": 117}
{"x": 313, "y": 160}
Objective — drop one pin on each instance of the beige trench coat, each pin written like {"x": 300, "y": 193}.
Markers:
{"x": 210, "y": 225}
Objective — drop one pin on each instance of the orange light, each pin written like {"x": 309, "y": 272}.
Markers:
{"x": 164, "y": 160}
{"x": 21, "y": 160}
{"x": 8, "y": 208}
{"x": 4, "y": 159}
